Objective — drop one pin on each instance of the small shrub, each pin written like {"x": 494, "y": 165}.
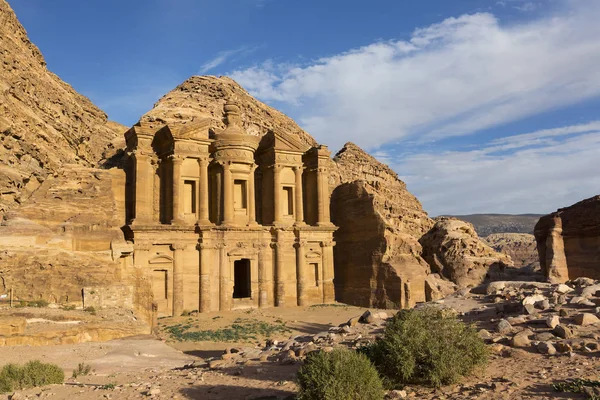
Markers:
{"x": 578, "y": 385}
{"x": 108, "y": 386}
{"x": 38, "y": 303}
{"x": 90, "y": 309}
{"x": 68, "y": 307}
{"x": 82, "y": 369}
{"x": 32, "y": 374}
{"x": 339, "y": 375}
{"x": 428, "y": 346}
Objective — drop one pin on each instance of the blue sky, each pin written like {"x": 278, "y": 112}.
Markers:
{"x": 479, "y": 105}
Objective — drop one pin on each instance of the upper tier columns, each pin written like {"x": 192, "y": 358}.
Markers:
{"x": 298, "y": 199}
{"x": 276, "y": 194}
{"x": 203, "y": 218}
{"x": 251, "y": 197}
{"x": 177, "y": 209}
{"x": 144, "y": 188}
{"x": 323, "y": 197}
{"x": 228, "y": 216}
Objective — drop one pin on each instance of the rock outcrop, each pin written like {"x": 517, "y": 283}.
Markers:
{"x": 568, "y": 241}
{"x": 61, "y": 213}
{"x": 44, "y": 122}
{"x": 488, "y": 224}
{"x": 521, "y": 247}
{"x": 453, "y": 249}
{"x": 377, "y": 255}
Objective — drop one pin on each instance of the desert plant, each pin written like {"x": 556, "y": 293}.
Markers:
{"x": 429, "y": 346}
{"x": 341, "y": 374}
{"x": 578, "y": 385}
{"x": 68, "y": 307}
{"x": 38, "y": 303}
{"x": 82, "y": 369}
{"x": 32, "y": 374}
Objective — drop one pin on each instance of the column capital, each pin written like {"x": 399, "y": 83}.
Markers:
{"x": 327, "y": 243}
{"x": 299, "y": 168}
{"x": 300, "y": 243}
{"x": 178, "y": 246}
{"x": 176, "y": 159}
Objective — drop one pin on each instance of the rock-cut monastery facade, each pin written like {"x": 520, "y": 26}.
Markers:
{"x": 222, "y": 219}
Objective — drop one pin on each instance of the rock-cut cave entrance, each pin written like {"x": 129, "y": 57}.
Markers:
{"x": 241, "y": 279}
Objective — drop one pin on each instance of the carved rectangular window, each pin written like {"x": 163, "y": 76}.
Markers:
{"x": 288, "y": 200}
{"x": 240, "y": 198}
{"x": 315, "y": 267}
{"x": 189, "y": 197}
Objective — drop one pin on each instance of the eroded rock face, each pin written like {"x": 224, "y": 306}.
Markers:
{"x": 453, "y": 249}
{"x": 44, "y": 123}
{"x": 521, "y": 247}
{"x": 377, "y": 255}
{"x": 568, "y": 241}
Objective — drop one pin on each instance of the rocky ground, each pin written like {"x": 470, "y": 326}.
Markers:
{"x": 539, "y": 334}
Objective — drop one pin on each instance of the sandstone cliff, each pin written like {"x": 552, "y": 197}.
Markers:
{"x": 453, "y": 249}
{"x": 521, "y": 247}
{"x": 44, "y": 122}
{"x": 568, "y": 241}
{"x": 61, "y": 214}
{"x": 377, "y": 256}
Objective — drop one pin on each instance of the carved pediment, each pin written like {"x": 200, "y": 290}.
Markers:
{"x": 281, "y": 141}
{"x": 193, "y": 130}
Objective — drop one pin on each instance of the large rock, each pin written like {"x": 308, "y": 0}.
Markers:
{"x": 44, "y": 122}
{"x": 377, "y": 254}
{"x": 454, "y": 250}
{"x": 62, "y": 211}
{"x": 568, "y": 242}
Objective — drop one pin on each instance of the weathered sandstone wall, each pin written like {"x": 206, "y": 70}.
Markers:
{"x": 453, "y": 249}
{"x": 568, "y": 241}
{"x": 377, "y": 254}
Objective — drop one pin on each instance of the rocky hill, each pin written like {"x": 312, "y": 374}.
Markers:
{"x": 44, "y": 122}
{"x": 487, "y": 224}
{"x": 521, "y": 248}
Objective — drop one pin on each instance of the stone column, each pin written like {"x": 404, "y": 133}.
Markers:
{"x": 276, "y": 194}
{"x": 156, "y": 192}
{"x": 203, "y": 218}
{"x": 263, "y": 276}
{"x": 228, "y": 217}
{"x": 177, "y": 278}
{"x": 144, "y": 185}
{"x": 205, "y": 257}
{"x": 177, "y": 208}
{"x": 299, "y": 207}
{"x": 225, "y": 293}
{"x": 301, "y": 272}
{"x": 321, "y": 197}
{"x": 251, "y": 198}
{"x": 279, "y": 282}
{"x": 327, "y": 265}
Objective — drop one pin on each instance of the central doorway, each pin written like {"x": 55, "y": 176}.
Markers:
{"x": 241, "y": 279}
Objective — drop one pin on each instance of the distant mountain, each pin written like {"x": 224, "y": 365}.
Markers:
{"x": 487, "y": 224}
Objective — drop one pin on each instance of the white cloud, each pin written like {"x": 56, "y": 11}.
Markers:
{"x": 221, "y": 58}
{"x": 454, "y": 78}
{"x": 548, "y": 169}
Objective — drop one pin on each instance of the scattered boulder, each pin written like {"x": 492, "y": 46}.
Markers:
{"x": 552, "y": 321}
{"x": 586, "y": 319}
{"x": 546, "y": 348}
{"x": 563, "y": 331}
{"x": 521, "y": 339}
{"x": 504, "y": 327}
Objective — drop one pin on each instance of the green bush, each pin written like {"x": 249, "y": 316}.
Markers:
{"x": 426, "y": 346}
{"x": 38, "y": 303}
{"x": 32, "y": 374}
{"x": 339, "y": 375}
{"x": 82, "y": 369}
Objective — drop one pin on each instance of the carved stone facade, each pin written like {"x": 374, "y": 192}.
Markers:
{"x": 221, "y": 219}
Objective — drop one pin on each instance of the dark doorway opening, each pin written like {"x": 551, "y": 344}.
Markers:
{"x": 241, "y": 279}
